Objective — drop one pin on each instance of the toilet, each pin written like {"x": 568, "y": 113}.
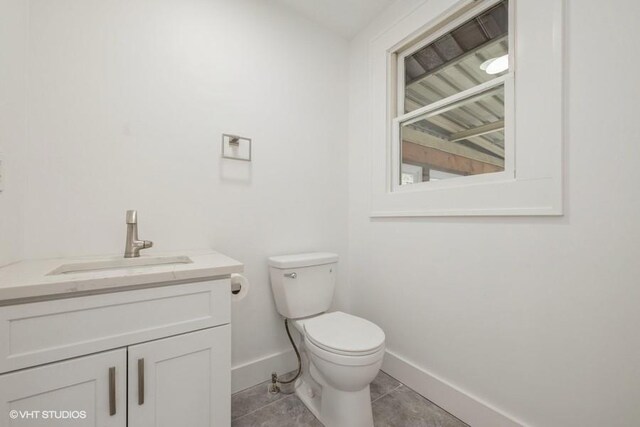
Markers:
{"x": 341, "y": 353}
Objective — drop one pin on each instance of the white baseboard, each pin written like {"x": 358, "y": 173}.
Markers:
{"x": 463, "y": 405}
{"x": 259, "y": 370}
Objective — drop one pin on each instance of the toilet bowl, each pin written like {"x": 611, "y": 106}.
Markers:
{"x": 345, "y": 355}
{"x": 341, "y": 353}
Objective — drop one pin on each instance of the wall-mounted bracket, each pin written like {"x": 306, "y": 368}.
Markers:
{"x": 236, "y": 147}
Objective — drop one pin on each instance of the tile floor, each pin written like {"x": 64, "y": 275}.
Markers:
{"x": 394, "y": 405}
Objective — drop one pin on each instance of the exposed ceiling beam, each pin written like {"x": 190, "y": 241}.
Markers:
{"x": 478, "y": 131}
{"x": 480, "y": 142}
{"x": 420, "y": 138}
{"x": 441, "y": 160}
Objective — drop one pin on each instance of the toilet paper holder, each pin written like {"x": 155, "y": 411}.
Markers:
{"x": 239, "y": 287}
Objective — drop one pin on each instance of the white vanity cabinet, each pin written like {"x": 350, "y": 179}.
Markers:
{"x": 158, "y": 356}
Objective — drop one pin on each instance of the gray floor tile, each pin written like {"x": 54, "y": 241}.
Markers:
{"x": 394, "y": 405}
{"x": 251, "y": 399}
{"x": 404, "y": 407}
{"x": 382, "y": 385}
{"x": 286, "y": 412}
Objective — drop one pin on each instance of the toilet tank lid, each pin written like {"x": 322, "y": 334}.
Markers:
{"x": 302, "y": 260}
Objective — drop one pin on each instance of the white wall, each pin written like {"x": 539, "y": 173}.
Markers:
{"x": 128, "y": 100}
{"x": 12, "y": 124}
{"x": 535, "y": 316}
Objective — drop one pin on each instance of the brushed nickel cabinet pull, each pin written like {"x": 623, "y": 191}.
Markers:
{"x": 112, "y": 391}
{"x": 140, "y": 381}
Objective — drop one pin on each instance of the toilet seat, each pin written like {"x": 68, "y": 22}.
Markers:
{"x": 343, "y": 359}
{"x": 343, "y": 334}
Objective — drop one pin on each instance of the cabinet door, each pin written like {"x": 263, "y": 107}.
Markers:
{"x": 84, "y": 392}
{"x": 184, "y": 380}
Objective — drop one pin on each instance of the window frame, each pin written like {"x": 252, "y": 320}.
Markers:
{"x": 397, "y": 61}
{"x": 536, "y": 188}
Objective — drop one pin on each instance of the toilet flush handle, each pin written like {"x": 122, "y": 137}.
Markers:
{"x": 291, "y": 275}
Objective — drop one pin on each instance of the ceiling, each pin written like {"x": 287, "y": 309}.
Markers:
{"x": 345, "y": 17}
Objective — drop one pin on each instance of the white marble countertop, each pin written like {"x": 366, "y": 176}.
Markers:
{"x": 25, "y": 280}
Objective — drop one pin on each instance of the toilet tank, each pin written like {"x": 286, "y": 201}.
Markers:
{"x": 303, "y": 284}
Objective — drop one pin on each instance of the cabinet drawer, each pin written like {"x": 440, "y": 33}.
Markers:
{"x": 42, "y": 332}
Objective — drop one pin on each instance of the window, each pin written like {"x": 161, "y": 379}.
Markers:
{"x": 452, "y": 101}
{"x": 465, "y": 115}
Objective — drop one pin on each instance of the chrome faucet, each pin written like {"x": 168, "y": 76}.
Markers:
{"x": 133, "y": 245}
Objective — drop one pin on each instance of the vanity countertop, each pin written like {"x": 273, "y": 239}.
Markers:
{"x": 33, "y": 280}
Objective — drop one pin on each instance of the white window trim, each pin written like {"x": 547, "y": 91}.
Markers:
{"x": 532, "y": 181}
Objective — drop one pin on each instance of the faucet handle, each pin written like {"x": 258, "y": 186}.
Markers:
{"x": 132, "y": 217}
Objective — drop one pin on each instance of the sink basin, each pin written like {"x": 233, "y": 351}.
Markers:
{"x": 119, "y": 264}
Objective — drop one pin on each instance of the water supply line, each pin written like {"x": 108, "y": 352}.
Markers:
{"x": 274, "y": 387}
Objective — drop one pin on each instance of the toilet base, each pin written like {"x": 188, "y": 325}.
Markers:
{"x": 335, "y": 408}
{"x": 310, "y": 399}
